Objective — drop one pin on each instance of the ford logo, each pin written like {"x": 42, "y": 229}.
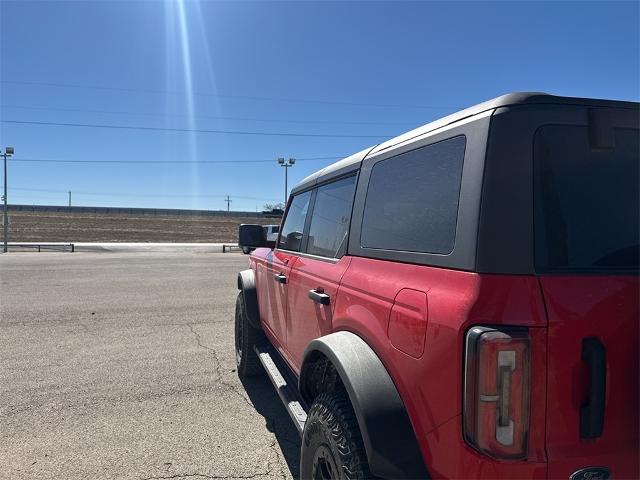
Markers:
{"x": 591, "y": 473}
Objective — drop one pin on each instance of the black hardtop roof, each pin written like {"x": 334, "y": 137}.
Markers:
{"x": 352, "y": 162}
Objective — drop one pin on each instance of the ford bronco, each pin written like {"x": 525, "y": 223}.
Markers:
{"x": 460, "y": 301}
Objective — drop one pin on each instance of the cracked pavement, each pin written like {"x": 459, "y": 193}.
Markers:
{"x": 121, "y": 365}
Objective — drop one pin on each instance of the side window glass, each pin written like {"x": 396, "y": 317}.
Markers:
{"x": 330, "y": 218}
{"x": 412, "y": 199}
{"x": 293, "y": 227}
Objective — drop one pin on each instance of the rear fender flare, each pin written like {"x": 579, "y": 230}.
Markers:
{"x": 389, "y": 440}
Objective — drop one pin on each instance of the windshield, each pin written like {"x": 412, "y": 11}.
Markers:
{"x": 586, "y": 201}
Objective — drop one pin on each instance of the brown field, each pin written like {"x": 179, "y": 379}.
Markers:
{"x": 104, "y": 227}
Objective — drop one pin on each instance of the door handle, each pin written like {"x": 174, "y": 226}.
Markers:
{"x": 319, "y": 296}
{"x": 280, "y": 278}
{"x": 592, "y": 414}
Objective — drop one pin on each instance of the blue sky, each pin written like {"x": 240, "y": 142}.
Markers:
{"x": 360, "y": 71}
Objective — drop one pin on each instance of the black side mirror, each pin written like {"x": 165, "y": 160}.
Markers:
{"x": 253, "y": 236}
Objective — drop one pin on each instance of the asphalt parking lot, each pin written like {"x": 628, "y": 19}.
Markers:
{"x": 121, "y": 365}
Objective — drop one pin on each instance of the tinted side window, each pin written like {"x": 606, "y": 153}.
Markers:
{"x": 586, "y": 215}
{"x": 293, "y": 228}
{"x": 330, "y": 218}
{"x": 412, "y": 199}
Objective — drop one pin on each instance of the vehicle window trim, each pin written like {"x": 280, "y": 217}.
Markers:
{"x": 457, "y": 206}
{"x": 305, "y": 231}
{"x": 463, "y": 255}
{"x": 310, "y": 256}
{"x": 307, "y": 221}
{"x": 310, "y": 217}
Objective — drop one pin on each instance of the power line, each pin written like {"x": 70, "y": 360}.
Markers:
{"x": 161, "y": 162}
{"x": 218, "y": 95}
{"x": 136, "y": 195}
{"x": 191, "y": 130}
{"x": 215, "y": 117}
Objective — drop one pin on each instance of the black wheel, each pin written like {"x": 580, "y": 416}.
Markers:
{"x": 332, "y": 446}
{"x": 246, "y": 337}
{"x": 246, "y": 250}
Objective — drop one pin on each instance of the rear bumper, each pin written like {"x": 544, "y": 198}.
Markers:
{"x": 621, "y": 462}
{"x": 448, "y": 456}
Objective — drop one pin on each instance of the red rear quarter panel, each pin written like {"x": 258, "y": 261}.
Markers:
{"x": 431, "y": 386}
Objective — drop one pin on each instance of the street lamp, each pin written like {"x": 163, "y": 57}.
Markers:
{"x": 8, "y": 152}
{"x": 286, "y": 164}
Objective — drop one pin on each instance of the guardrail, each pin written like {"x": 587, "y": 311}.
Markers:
{"x": 46, "y": 246}
{"x": 226, "y": 247}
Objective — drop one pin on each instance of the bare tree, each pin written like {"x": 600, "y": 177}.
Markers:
{"x": 268, "y": 207}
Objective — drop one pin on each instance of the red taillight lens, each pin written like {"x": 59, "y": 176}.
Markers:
{"x": 496, "y": 391}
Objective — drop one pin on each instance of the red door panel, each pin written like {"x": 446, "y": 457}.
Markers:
{"x": 604, "y": 308}
{"x": 309, "y": 320}
{"x": 272, "y": 295}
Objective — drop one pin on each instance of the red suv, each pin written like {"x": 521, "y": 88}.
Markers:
{"x": 460, "y": 301}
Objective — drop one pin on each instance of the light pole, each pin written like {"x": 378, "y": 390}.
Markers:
{"x": 8, "y": 151}
{"x": 286, "y": 164}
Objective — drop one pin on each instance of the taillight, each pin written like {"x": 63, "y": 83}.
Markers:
{"x": 496, "y": 391}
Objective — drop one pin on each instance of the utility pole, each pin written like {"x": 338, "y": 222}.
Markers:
{"x": 286, "y": 164}
{"x": 8, "y": 151}
{"x": 228, "y": 200}
{"x": 69, "y": 200}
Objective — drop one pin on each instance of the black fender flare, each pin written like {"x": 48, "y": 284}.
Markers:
{"x": 389, "y": 440}
{"x": 247, "y": 285}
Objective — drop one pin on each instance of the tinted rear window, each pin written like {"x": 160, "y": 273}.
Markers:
{"x": 412, "y": 199}
{"x": 586, "y": 200}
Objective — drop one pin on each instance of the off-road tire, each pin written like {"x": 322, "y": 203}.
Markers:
{"x": 332, "y": 445}
{"x": 246, "y": 338}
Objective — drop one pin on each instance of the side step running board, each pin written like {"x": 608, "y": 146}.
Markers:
{"x": 285, "y": 385}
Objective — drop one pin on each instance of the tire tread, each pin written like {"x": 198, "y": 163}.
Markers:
{"x": 334, "y": 410}
{"x": 249, "y": 364}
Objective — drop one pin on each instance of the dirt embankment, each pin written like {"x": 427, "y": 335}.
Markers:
{"x": 103, "y": 227}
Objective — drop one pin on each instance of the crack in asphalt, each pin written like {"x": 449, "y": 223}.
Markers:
{"x": 275, "y": 468}
{"x": 281, "y": 466}
{"x": 218, "y": 367}
{"x": 271, "y": 423}
{"x": 202, "y": 475}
